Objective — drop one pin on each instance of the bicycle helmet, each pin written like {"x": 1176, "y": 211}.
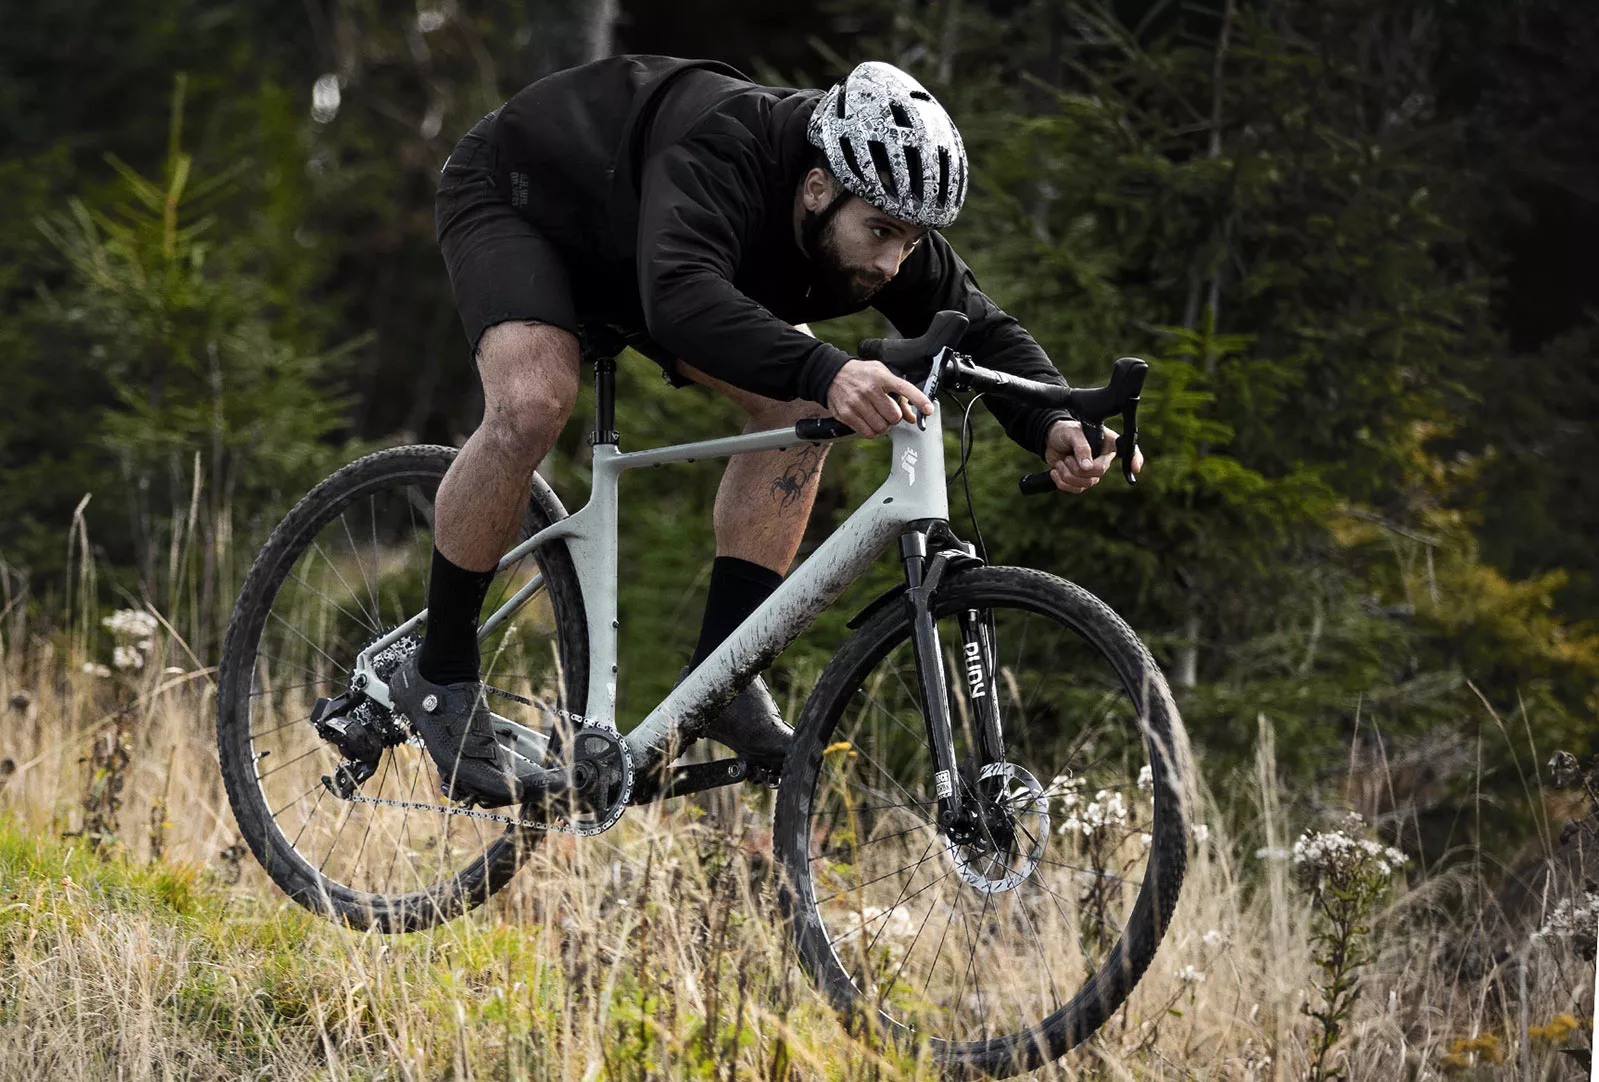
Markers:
{"x": 889, "y": 143}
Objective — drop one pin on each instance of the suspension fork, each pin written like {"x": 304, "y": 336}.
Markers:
{"x": 923, "y": 574}
{"x": 977, "y": 655}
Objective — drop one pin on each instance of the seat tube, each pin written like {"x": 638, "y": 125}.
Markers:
{"x": 921, "y": 579}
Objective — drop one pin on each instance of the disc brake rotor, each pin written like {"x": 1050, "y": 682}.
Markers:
{"x": 1018, "y": 816}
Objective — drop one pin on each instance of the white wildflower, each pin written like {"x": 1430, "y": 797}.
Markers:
{"x": 1573, "y": 919}
{"x": 1338, "y": 851}
{"x": 1215, "y": 939}
{"x": 1146, "y": 777}
{"x": 1191, "y": 976}
{"x": 134, "y": 624}
{"x": 133, "y": 630}
{"x": 1146, "y": 839}
{"x": 1201, "y": 833}
{"x": 1108, "y": 809}
{"x": 94, "y": 668}
{"x": 1065, "y": 787}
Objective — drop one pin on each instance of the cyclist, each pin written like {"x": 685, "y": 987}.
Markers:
{"x": 708, "y": 218}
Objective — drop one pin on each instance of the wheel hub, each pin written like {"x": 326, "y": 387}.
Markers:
{"x": 1000, "y": 843}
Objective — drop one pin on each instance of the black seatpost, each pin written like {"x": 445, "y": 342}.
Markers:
{"x": 600, "y": 343}
{"x": 604, "y": 401}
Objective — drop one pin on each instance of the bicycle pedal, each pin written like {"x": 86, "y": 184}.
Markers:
{"x": 760, "y": 775}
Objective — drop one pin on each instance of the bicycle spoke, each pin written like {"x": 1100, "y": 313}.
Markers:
{"x": 362, "y": 620}
{"x": 377, "y": 559}
{"x": 873, "y": 841}
{"x": 901, "y": 899}
{"x": 280, "y": 690}
{"x": 370, "y": 818}
{"x": 939, "y": 951}
{"x": 359, "y": 566}
{"x": 320, "y": 677}
{"x": 313, "y": 788}
{"x": 309, "y": 643}
{"x": 317, "y": 547}
{"x": 914, "y": 941}
{"x": 308, "y": 818}
{"x": 304, "y": 754}
{"x": 349, "y": 810}
{"x": 879, "y": 879}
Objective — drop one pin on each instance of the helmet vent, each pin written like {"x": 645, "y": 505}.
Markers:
{"x": 943, "y": 176}
{"x": 885, "y": 169}
{"x": 843, "y": 94}
{"x": 901, "y": 117}
{"x": 913, "y": 163}
{"x": 921, "y": 95}
{"x": 850, "y": 159}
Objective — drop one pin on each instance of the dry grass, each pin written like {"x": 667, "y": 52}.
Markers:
{"x": 651, "y": 952}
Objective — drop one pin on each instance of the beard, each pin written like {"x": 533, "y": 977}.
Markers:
{"x": 838, "y": 278}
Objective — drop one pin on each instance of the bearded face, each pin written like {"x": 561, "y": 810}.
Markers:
{"x": 859, "y": 249}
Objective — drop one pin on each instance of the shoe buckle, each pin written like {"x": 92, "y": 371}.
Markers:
{"x": 430, "y": 703}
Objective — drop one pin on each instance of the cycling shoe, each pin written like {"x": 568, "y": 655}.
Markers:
{"x": 752, "y": 726}
{"x": 454, "y": 723}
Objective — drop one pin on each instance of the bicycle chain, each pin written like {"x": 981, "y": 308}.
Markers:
{"x": 581, "y": 831}
{"x": 468, "y": 813}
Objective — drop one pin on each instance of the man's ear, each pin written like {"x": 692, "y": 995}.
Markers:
{"x": 816, "y": 190}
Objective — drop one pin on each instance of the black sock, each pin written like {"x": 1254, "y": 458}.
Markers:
{"x": 455, "y": 598}
{"x": 738, "y": 588}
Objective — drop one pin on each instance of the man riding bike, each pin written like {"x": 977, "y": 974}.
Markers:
{"x": 707, "y": 219}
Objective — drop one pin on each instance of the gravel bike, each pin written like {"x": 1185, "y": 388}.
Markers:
{"x": 981, "y": 823}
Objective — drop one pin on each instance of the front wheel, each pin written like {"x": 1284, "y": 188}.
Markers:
{"x": 1000, "y": 951}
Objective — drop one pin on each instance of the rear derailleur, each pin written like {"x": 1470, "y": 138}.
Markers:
{"x": 360, "y": 729}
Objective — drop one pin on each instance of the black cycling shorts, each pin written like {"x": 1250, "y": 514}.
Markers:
{"x": 501, "y": 267}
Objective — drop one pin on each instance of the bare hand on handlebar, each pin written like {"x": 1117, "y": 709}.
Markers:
{"x": 1072, "y": 464}
{"x": 870, "y": 398}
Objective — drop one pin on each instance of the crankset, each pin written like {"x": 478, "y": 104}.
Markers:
{"x": 598, "y": 782}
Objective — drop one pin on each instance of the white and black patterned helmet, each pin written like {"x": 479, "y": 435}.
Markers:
{"x": 891, "y": 144}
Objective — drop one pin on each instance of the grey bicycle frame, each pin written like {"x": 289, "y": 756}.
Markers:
{"x": 913, "y": 490}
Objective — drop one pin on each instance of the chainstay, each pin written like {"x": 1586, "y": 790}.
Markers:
{"x": 466, "y": 813}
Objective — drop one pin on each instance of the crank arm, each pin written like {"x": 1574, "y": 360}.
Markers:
{"x": 693, "y": 778}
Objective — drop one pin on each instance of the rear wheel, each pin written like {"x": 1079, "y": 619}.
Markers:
{"x": 348, "y": 564}
{"x": 1005, "y": 945}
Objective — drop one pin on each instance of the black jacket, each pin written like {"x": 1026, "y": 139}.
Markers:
{"x": 669, "y": 185}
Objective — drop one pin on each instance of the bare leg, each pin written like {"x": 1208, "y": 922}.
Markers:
{"x": 530, "y": 377}
{"x": 765, "y": 498}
